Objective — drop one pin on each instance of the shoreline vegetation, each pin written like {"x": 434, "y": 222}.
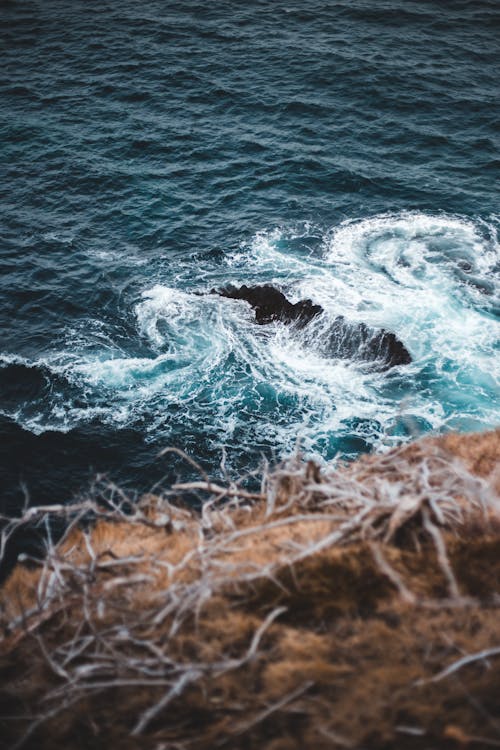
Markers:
{"x": 348, "y": 607}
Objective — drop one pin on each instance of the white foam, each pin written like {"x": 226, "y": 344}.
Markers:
{"x": 209, "y": 365}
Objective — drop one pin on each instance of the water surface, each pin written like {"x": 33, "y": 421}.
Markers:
{"x": 343, "y": 151}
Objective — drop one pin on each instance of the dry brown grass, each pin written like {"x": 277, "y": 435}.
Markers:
{"x": 352, "y": 607}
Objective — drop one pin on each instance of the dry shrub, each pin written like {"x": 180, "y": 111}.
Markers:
{"x": 342, "y": 607}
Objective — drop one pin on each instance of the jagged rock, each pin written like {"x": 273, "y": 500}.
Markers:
{"x": 271, "y": 305}
{"x": 357, "y": 340}
{"x": 344, "y": 340}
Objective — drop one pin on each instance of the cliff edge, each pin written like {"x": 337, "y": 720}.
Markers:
{"x": 351, "y": 607}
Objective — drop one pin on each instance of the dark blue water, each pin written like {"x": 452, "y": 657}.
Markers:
{"x": 345, "y": 151}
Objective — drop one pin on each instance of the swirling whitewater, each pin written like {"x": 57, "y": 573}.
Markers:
{"x": 210, "y": 370}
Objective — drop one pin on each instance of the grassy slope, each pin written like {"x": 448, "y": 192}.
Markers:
{"x": 337, "y": 608}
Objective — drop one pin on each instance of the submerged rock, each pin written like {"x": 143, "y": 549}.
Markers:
{"x": 344, "y": 339}
{"x": 358, "y": 341}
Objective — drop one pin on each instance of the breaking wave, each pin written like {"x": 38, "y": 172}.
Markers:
{"x": 199, "y": 373}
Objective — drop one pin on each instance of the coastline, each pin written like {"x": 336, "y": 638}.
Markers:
{"x": 351, "y": 607}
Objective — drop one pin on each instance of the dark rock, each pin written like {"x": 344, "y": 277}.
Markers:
{"x": 271, "y": 305}
{"x": 357, "y": 340}
{"x": 343, "y": 340}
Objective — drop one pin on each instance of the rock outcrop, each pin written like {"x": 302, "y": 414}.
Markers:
{"x": 343, "y": 339}
{"x": 271, "y": 305}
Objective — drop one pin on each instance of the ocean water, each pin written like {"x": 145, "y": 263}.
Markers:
{"x": 344, "y": 151}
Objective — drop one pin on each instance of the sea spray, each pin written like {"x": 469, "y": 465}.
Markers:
{"x": 207, "y": 370}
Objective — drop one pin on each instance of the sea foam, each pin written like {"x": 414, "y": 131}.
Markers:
{"x": 210, "y": 371}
